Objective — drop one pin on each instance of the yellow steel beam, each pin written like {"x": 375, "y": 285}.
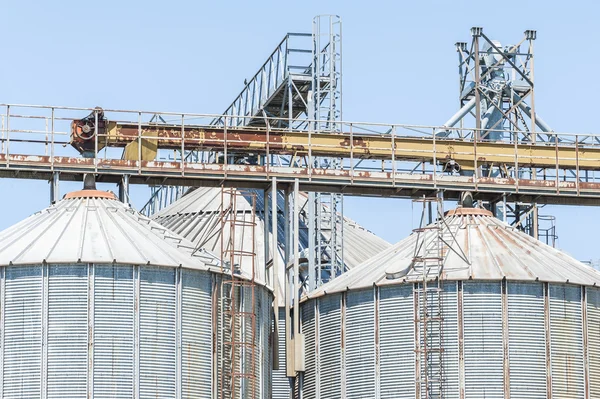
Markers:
{"x": 467, "y": 153}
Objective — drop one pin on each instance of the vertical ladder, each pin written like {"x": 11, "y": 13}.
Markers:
{"x": 329, "y": 237}
{"x": 239, "y": 358}
{"x": 326, "y": 107}
{"x": 428, "y": 261}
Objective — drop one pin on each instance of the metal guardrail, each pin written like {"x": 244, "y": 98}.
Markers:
{"x": 269, "y": 79}
{"x": 34, "y": 141}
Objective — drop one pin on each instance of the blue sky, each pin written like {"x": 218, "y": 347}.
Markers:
{"x": 193, "y": 56}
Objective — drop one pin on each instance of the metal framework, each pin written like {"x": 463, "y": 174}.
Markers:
{"x": 377, "y": 159}
{"x": 238, "y": 299}
{"x": 496, "y": 92}
{"x": 326, "y": 260}
{"x": 300, "y": 88}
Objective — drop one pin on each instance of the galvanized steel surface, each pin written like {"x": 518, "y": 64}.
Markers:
{"x": 396, "y": 342}
{"x": 527, "y": 340}
{"x": 116, "y": 331}
{"x": 593, "y": 335}
{"x": 504, "y": 347}
{"x": 493, "y": 251}
{"x": 359, "y": 345}
{"x": 97, "y": 230}
{"x": 483, "y": 352}
{"x": 566, "y": 342}
{"x": 196, "y": 217}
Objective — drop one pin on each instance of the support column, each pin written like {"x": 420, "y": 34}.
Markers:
{"x": 55, "y": 188}
{"x": 312, "y": 254}
{"x": 298, "y": 338}
{"x": 275, "y": 266}
{"x": 289, "y": 343}
{"x": 124, "y": 189}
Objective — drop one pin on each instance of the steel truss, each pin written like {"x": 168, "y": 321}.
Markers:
{"x": 496, "y": 92}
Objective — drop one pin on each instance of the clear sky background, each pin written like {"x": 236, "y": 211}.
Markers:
{"x": 400, "y": 66}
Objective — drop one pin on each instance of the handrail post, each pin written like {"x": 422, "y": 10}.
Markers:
{"x": 557, "y": 163}
{"x": 182, "y": 145}
{"x": 516, "y": 143}
{"x": 139, "y": 160}
{"x": 434, "y": 159}
{"x": 52, "y": 140}
{"x": 577, "y": 163}
{"x": 225, "y": 161}
{"x": 95, "y": 141}
{"x": 394, "y": 156}
{"x": 7, "y": 136}
{"x": 351, "y": 154}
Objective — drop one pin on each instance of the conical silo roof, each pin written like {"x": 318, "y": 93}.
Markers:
{"x": 91, "y": 226}
{"x": 477, "y": 246}
{"x": 196, "y": 216}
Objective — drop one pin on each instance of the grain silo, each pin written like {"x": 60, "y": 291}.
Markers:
{"x": 196, "y": 217}
{"x": 99, "y": 301}
{"x": 517, "y": 319}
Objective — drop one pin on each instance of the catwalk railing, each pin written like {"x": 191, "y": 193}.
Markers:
{"x": 377, "y": 159}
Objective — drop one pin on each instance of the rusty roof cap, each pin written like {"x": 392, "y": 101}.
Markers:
{"x": 469, "y": 211}
{"x": 90, "y": 194}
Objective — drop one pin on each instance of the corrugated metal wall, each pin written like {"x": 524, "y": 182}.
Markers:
{"x": 330, "y": 344}
{"x": 72, "y": 331}
{"x": 22, "y": 333}
{"x": 67, "y": 331}
{"x": 397, "y": 342}
{"x": 503, "y": 326}
{"x": 113, "y": 332}
{"x": 526, "y": 340}
{"x": 593, "y": 332}
{"x": 360, "y": 344}
{"x": 566, "y": 342}
{"x": 281, "y": 383}
{"x": 484, "y": 354}
{"x": 450, "y": 342}
{"x": 309, "y": 387}
{"x": 157, "y": 332}
{"x": 196, "y": 335}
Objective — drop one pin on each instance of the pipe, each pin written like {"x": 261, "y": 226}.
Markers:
{"x": 457, "y": 117}
{"x": 527, "y": 109}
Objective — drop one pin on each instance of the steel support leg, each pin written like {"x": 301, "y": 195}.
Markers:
{"x": 124, "y": 189}
{"x": 55, "y": 188}
{"x": 275, "y": 266}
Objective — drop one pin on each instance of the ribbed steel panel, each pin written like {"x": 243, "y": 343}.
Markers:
{"x": 157, "y": 332}
{"x": 67, "y": 331}
{"x": 281, "y": 386}
{"x": 113, "y": 332}
{"x": 484, "y": 354}
{"x": 330, "y": 347}
{"x": 196, "y": 335}
{"x": 566, "y": 342}
{"x": 23, "y": 332}
{"x": 360, "y": 344}
{"x": 593, "y": 319}
{"x": 526, "y": 340}
{"x": 265, "y": 325}
{"x": 396, "y": 342}
{"x": 450, "y": 342}
{"x": 309, "y": 389}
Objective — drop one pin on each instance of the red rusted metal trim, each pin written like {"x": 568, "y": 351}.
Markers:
{"x": 469, "y": 211}
{"x": 90, "y": 194}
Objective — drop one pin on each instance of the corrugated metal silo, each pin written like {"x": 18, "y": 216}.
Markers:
{"x": 196, "y": 217}
{"x": 99, "y": 301}
{"x": 519, "y": 320}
